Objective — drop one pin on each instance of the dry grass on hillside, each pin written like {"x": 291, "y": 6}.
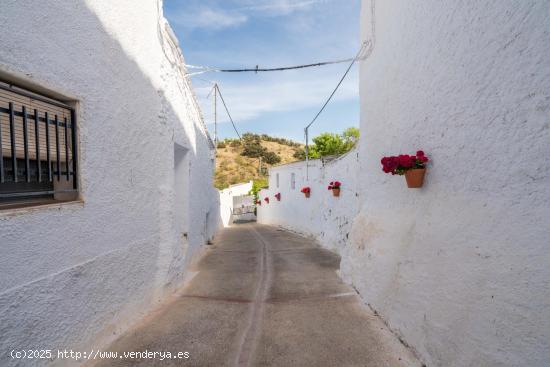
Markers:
{"x": 232, "y": 167}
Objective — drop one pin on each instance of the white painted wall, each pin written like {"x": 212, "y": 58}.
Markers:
{"x": 76, "y": 275}
{"x": 458, "y": 268}
{"x": 226, "y": 200}
{"x": 322, "y": 216}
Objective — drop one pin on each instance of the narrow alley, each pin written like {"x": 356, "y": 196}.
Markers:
{"x": 275, "y": 183}
{"x": 263, "y": 296}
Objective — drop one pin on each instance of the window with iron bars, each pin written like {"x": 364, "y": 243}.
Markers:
{"x": 38, "y": 142}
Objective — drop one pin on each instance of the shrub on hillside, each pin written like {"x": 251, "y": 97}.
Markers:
{"x": 281, "y": 141}
{"x": 299, "y": 154}
{"x": 271, "y": 158}
{"x": 235, "y": 143}
{"x": 252, "y": 146}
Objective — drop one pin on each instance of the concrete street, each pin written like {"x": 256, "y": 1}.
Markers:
{"x": 265, "y": 297}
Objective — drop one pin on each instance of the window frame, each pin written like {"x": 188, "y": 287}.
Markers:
{"x": 35, "y": 187}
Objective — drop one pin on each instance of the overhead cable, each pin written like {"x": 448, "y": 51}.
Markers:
{"x": 338, "y": 85}
{"x": 207, "y": 69}
{"x": 226, "y": 110}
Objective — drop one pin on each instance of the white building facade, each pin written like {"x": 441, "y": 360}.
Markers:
{"x": 459, "y": 268}
{"x": 227, "y": 201}
{"x": 76, "y": 274}
{"x": 323, "y": 216}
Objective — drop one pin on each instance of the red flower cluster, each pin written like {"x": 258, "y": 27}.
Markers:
{"x": 334, "y": 185}
{"x": 266, "y": 200}
{"x": 305, "y": 190}
{"x": 278, "y": 196}
{"x": 259, "y": 202}
{"x": 398, "y": 165}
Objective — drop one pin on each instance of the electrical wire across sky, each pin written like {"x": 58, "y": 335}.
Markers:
{"x": 227, "y": 110}
{"x": 364, "y": 52}
{"x": 208, "y": 69}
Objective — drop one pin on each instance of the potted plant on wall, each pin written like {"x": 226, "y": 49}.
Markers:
{"x": 412, "y": 166}
{"x": 335, "y": 187}
{"x": 306, "y": 191}
{"x": 278, "y": 196}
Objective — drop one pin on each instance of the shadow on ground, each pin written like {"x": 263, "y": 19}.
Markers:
{"x": 307, "y": 315}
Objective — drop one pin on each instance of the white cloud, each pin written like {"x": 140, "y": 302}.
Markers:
{"x": 250, "y": 100}
{"x": 282, "y": 7}
{"x": 209, "y": 18}
{"x": 311, "y": 31}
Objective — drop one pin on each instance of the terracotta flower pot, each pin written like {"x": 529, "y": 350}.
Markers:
{"x": 415, "y": 177}
{"x": 336, "y": 192}
{"x": 307, "y": 194}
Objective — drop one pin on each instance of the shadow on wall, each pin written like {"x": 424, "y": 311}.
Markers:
{"x": 96, "y": 268}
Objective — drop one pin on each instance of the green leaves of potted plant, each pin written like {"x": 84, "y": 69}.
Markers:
{"x": 412, "y": 166}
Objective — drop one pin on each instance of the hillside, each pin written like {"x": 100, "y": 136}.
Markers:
{"x": 232, "y": 167}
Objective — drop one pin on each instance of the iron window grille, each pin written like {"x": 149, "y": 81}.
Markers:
{"x": 38, "y": 142}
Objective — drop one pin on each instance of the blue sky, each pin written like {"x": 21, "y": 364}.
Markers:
{"x": 272, "y": 33}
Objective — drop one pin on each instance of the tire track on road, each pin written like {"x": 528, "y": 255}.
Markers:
{"x": 252, "y": 331}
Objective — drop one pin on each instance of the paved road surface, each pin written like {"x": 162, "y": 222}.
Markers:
{"x": 265, "y": 297}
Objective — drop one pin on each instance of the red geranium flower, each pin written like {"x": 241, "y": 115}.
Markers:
{"x": 334, "y": 185}
{"x": 398, "y": 165}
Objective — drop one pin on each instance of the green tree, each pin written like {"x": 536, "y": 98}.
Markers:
{"x": 350, "y": 137}
{"x": 257, "y": 185}
{"x": 326, "y": 144}
{"x": 334, "y": 144}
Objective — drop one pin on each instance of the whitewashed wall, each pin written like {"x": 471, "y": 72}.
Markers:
{"x": 321, "y": 216}
{"x": 76, "y": 275}
{"x": 459, "y": 268}
{"x": 226, "y": 200}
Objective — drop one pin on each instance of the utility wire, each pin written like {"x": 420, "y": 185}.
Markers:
{"x": 330, "y": 97}
{"x": 338, "y": 85}
{"x": 207, "y": 69}
{"x": 369, "y": 47}
{"x": 226, "y": 110}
